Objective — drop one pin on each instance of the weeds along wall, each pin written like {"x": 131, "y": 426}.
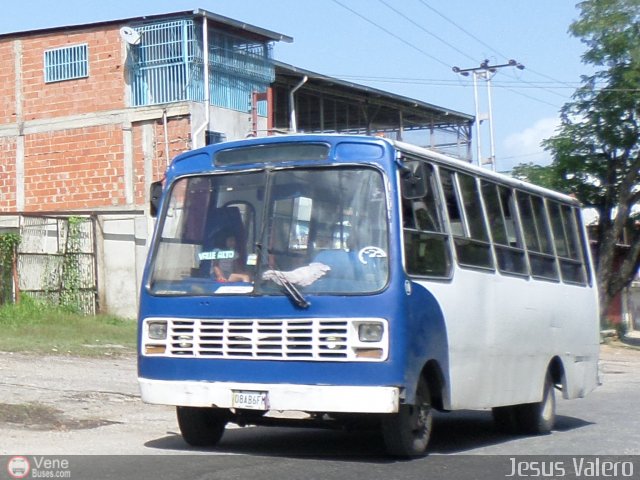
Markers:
{"x": 83, "y": 263}
{"x": 8, "y": 267}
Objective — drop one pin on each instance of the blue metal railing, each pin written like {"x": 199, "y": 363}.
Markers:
{"x": 167, "y": 66}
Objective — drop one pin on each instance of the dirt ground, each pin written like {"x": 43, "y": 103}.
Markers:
{"x": 64, "y": 405}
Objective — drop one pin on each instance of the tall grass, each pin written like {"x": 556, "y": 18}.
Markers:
{"x": 38, "y": 327}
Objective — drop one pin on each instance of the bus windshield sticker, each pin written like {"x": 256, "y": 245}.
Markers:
{"x": 217, "y": 255}
{"x": 234, "y": 289}
{"x": 370, "y": 252}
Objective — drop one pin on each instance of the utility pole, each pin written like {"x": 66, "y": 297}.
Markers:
{"x": 485, "y": 72}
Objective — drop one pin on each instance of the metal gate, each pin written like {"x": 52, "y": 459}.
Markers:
{"x": 57, "y": 260}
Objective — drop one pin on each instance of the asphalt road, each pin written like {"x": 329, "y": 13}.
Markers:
{"x": 88, "y": 412}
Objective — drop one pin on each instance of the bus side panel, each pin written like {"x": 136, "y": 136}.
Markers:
{"x": 427, "y": 340}
{"x": 503, "y": 332}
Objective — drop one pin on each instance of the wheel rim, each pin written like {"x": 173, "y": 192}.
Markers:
{"x": 422, "y": 420}
{"x": 548, "y": 407}
{"x": 407, "y": 433}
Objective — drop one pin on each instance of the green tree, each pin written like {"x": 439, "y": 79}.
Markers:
{"x": 544, "y": 176}
{"x": 597, "y": 148}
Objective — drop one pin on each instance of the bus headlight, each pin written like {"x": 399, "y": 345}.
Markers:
{"x": 157, "y": 330}
{"x": 370, "y": 332}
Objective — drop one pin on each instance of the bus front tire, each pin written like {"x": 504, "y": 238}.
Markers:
{"x": 200, "y": 426}
{"x": 407, "y": 433}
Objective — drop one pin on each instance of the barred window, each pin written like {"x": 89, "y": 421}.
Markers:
{"x": 66, "y": 63}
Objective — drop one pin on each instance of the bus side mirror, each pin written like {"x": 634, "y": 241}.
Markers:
{"x": 414, "y": 181}
{"x": 155, "y": 194}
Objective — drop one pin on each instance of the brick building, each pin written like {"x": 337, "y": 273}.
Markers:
{"x": 90, "y": 116}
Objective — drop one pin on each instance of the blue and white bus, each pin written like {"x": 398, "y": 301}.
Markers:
{"x": 358, "y": 279}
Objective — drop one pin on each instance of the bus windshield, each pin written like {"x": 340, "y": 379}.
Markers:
{"x": 313, "y": 230}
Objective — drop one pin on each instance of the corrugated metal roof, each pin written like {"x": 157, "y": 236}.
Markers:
{"x": 283, "y": 70}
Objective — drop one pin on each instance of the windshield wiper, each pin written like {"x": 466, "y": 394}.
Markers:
{"x": 291, "y": 290}
{"x": 287, "y": 286}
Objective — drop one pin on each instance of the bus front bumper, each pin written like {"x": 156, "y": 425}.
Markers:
{"x": 305, "y": 398}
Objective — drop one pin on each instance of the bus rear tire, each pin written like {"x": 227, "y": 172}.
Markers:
{"x": 200, "y": 426}
{"x": 407, "y": 433}
{"x": 505, "y": 418}
{"x": 538, "y": 418}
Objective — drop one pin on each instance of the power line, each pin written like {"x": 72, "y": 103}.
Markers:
{"x": 533, "y": 98}
{"x": 444, "y": 83}
{"x": 389, "y": 32}
{"x": 427, "y": 54}
{"x": 567, "y": 84}
{"x": 435, "y": 81}
{"x": 444, "y": 17}
{"x": 413, "y": 22}
{"x": 522, "y": 155}
{"x": 477, "y": 39}
{"x": 507, "y": 85}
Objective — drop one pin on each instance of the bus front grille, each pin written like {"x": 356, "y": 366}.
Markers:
{"x": 279, "y": 339}
{"x": 316, "y": 339}
{"x": 287, "y": 339}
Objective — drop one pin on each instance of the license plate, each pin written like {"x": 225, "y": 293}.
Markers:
{"x": 250, "y": 400}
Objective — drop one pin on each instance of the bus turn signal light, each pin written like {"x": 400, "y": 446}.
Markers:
{"x": 369, "y": 352}
{"x": 154, "y": 349}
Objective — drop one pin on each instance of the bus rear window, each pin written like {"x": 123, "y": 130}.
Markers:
{"x": 273, "y": 153}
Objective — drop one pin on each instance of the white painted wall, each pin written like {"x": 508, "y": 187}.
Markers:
{"x": 234, "y": 125}
{"x": 121, "y": 241}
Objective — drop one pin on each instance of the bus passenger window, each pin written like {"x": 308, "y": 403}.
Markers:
{"x": 578, "y": 241}
{"x": 466, "y": 220}
{"x": 455, "y": 217}
{"x": 425, "y": 241}
{"x": 507, "y": 241}
{"x": 472, "y": 208}
{"x": 426, "y": 254}
{"x": 567, "y": 243}
{"x": 537, "y": 237}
